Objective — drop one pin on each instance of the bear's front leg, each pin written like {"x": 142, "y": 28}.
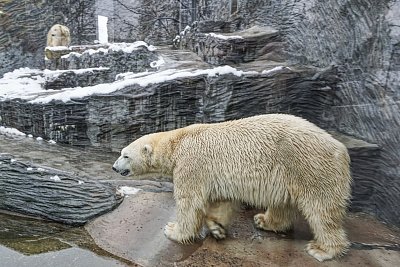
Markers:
{"x": 190, "y": 213}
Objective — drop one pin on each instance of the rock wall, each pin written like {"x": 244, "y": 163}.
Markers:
{"x": 24, "y": 26}
{"x": 363, "y": 39}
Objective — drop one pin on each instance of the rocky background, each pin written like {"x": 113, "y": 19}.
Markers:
{"x": 363, "y": 39}
{"x": 24, "y": 26}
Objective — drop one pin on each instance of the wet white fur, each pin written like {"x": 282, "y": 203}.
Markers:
{"x": 279, "y": 162}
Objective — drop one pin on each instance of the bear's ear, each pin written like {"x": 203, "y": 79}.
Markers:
{"x": 147, "y": 149}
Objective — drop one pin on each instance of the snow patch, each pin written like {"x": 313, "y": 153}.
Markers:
{"x": 275, "y": 69}
{"x": 29, "y": 169}
{"x": 52, "y": 73}
{"x": 57, "y": 48}
{"x": 72, "y": 54}
{"x": 140, "y": 79}
{"x": 124, "y": 47}
{"x": 130, "y": 47}
{"x": 39, "y": 138}
{"x": 55, "y": 178}
{"x": 127, "y": 190}
{"x": 224, "y": 37}
{"x": 52, "y": 142}
{"x": 10, "y": 131}
{"x": 21, "y": 83}
{"x": 158, "y": 63}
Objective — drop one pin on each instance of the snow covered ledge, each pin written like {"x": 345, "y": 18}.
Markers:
{"x": 111, "y": 115}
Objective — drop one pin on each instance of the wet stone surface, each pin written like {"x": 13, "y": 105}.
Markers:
{"x": 30, "y": 242}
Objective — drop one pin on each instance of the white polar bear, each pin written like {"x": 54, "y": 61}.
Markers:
{"x": 58, "y": 35}
{"x": 279, "y": 162}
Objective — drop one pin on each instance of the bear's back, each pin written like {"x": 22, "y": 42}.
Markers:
{"x": 262, "y": 139}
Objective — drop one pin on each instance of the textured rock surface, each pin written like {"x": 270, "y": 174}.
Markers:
{"x": 24, "y": 26}
{"x": 114, "y": 120}
{"x": 233, "y": 48}
{"x": 53, "y": 194}
{"x": 136, "y": 59}
{"x": 83, "y": 78}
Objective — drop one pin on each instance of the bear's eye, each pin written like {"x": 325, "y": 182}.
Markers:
{"x": 126, "y": 157}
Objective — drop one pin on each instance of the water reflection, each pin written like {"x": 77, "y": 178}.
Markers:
{"x": 30, "y": 242}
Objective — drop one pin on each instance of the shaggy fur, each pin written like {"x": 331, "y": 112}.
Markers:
{"x": 279, "y": 162}
{"x": 58, "y": 35}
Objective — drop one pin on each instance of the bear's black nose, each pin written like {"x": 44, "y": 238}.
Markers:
{"x": 114, "y": 169}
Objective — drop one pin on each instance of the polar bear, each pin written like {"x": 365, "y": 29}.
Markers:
{"x": 58, "y": 35}
{"x": 279, "y": 162}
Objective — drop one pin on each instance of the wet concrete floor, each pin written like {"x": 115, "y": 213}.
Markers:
{"x": 132, "y": 234}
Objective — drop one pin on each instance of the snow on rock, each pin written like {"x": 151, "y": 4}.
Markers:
{"x": 15, "y": 85}
{"x": 71, "y": 54}
{"x": 129, "y": 47}
{"x": 124, "y": 47}
{"x": 39, "y": 138}
{"x": 57, "y": 48}
{"x": 275, "y": 70}
{"x": 158, "y": 63}
{"x": 127, "y": 190}
{"x": 10, "y": 131}
{"x": 21, "y": 83}
{"x": 55, "y": 178}
{"x": 140, "y": 79}
{"x": 224, "y": 37}
{"x": 52, "y": 73}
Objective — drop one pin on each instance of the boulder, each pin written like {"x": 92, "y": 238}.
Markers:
{"x": 53, "y": 194}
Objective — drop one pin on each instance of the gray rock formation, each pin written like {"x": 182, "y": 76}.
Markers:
{"x": 24, "y": 26}
{"x": 53, "y": 194}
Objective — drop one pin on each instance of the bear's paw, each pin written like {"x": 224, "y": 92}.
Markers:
{"x": 317, "y": 252}
{"x": 216, "y": 230}
{"x": 172, "y": 232}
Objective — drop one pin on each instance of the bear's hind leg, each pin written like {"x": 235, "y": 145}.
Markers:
{"x": 218, "y": 217}
{"x": 277, "y": 219}
{"x": 330, "y": 239}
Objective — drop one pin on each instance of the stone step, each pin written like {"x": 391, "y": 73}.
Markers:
{"x": 236, "y": 47}
{"x": 77, "y": 78}
{"x": 118, "y": 57}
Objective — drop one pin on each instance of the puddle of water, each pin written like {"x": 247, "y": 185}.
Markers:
{"x": 30, "y": 242}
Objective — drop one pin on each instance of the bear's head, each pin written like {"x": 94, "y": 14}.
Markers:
{"x": 135, "y": 159}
